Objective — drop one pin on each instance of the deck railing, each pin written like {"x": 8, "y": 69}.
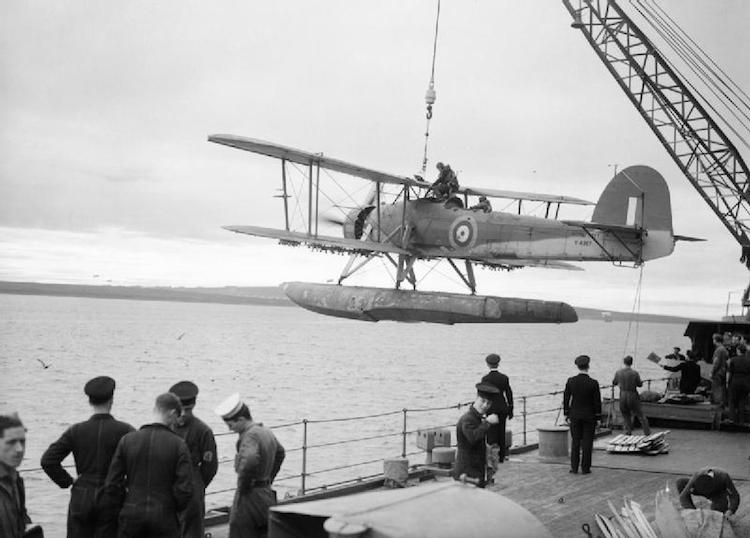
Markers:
{"x": 534, "y": 408}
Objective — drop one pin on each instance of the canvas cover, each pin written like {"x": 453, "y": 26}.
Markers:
{"x": 436, "y": 509}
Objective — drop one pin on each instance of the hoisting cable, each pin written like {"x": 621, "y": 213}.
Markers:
{"x": 430, "y": 96}
{"x": 635, "y": 313}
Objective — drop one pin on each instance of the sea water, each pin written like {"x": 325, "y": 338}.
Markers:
{"x": 288, "y": 364}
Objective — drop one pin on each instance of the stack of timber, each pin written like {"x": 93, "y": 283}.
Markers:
{"x": 628, "y": 522}
{"x": 652, "y": 445}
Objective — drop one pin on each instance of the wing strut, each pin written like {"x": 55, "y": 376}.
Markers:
{"x": 468, "y": 278}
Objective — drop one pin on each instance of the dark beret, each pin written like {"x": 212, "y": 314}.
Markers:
{"x": 100, "y": 389}
{"x": 493, "y": 359}
{"x": 186, "y": 391}
{"x": 582, "y": 361}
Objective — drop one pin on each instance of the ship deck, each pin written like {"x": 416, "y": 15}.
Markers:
{"x": 564, "y": 501}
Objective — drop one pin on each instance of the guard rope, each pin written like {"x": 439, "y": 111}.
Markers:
{"x": 635, "y": 313}
{"x": 430, "y": 96}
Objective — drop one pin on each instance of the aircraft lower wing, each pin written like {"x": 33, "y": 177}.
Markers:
{"x": 518, "y": 263}
{"x": 323, "y": 242}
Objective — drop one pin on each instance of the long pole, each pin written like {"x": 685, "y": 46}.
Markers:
{"x": 403, "y": 437}
{"x": 304, "y": 454}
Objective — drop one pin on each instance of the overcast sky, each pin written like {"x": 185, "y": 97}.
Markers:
{"x": 106, "y": 175}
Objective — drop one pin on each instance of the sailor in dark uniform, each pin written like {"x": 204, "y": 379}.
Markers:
{"x": 93, "y": 444}
{"x": 150, "y": 477}
{"x": 582, "y": 405}
{"x": 202, "y": 446}
{"x": 471, "y": 430}
{"x": 502, "y": 406}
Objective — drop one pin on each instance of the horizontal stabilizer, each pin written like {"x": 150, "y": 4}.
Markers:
{"x": 687, "y": 238}
{"x": 323, "y": 242}
{"x": 606, "y": 227}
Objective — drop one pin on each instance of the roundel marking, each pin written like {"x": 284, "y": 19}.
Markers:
{"x": 463, "y": 233}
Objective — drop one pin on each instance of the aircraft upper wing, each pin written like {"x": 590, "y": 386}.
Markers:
{"x": 303, "y": 157}
{"x": 324, "y": 242}
{"x": 306, "y": 158}
{"x": 530, "y": 196}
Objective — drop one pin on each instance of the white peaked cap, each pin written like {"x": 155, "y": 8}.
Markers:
{"x": 229, "y": 407}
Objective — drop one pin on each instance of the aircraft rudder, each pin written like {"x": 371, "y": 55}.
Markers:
{"x": 638, "y": 196}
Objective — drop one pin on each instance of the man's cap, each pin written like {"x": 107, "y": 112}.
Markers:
{"x": 186, "y": 391}
{"x": 482, "y": 198}
{"x": 582, "y": 361}
{"x": 677, "y": 349}
{"x": 487, "y": 390}
{"x": 439, "y": 165}
{"x": 100, "y": 389}
{"x": 229, "y": 407}
{"x": 493, "y": 359}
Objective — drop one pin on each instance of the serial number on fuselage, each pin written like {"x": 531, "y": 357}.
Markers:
{"x": 583, "y": 242}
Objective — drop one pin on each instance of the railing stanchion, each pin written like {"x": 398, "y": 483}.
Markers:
{"x": 648, "y": 384}
{"x": 304, "y": 454}
{"x": 524, "y": 419}
{"x": 403, "y": 437}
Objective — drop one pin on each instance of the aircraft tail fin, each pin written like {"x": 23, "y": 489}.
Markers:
{"x": 638, "y": 196}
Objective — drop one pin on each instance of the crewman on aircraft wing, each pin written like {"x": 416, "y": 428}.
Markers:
{"x": 446, "y": 183}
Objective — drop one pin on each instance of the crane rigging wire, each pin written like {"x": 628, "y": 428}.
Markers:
{"x": 686, "y": 54}
{"x": 725, "y": 76}
{"x": 430, "y": 96}
{"x": 693, "y": 56}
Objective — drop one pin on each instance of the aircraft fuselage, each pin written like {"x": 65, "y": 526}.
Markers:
{"x": 434, "y": 230}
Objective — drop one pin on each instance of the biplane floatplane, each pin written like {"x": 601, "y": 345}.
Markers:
{"x": 632, "y": 223}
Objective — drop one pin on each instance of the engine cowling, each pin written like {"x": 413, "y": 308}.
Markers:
{"x": 355, "y": 222}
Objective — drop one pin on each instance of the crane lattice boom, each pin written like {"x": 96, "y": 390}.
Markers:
{"x": 697, "y": 144}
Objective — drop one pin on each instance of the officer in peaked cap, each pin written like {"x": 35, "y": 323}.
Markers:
{"x": 100, "y": 389}
{"x": 502, "y": 406}
{"x": 257, "y": 462}
{"x": 202, "y": 446}
{"x": 471, "y": 429}
{"x": 582, "y": 404}
{"x": 93, "y": 443}
{"x": 487, "y": 390}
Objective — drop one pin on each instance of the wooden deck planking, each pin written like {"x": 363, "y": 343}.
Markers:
{"x": 564, "y": 501}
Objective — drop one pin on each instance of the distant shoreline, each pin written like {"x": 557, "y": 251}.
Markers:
{"x": 260, "y": 295}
